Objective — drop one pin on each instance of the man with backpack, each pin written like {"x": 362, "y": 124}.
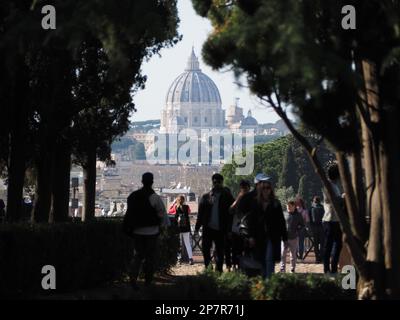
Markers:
{"x": 144, "y": 216}
{"x": 317, "y": 230}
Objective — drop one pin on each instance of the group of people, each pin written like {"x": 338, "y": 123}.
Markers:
{"x": 252, "y": 224}
{"x": 256, "y": 224}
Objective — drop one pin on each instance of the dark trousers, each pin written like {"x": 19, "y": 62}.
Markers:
{"x": 228, "y": 245}
{"x": 332, "y": 247}
{"x": 233, "y": 250}
{"x": 237, "y": 248}
{"x": 145, "y": 252}
{"x": 318, "y": 236}
{"x": 302, "y": 236}
{"x": 218, "y": 237}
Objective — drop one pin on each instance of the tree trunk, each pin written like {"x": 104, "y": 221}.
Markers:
{"x": 44, "y": 181}
{"x": 380, "y": 133}
{"x": 357, "y": 220}
{"x": 390, "y": 173}
{"x": 17, "y": 157}
{"x": 16, "y": 177}
{"x": 89, "y": 185}
{"x": 356, "y": 249}
{"x": 61, "y": 183}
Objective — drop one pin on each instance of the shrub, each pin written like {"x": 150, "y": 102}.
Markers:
{"x": 211, "y": 285}
{"x": 234, "y": 285}
{"x": 300, "y": 287}
{"x": 83, "y": 254}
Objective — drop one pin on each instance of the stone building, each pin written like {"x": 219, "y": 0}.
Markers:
{"x": 192, "y": 101}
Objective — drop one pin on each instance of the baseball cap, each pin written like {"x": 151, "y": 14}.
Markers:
{"x": 261, "y": 177}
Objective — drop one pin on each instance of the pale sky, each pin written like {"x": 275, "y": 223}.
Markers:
{"x": 161, "y": 71}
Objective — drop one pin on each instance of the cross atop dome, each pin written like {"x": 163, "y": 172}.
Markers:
{"x": 193, "y": 62}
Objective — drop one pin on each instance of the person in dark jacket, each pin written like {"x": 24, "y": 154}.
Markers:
{"x": 2, "y": 211}
{"x": 330, "y": 223}
{"x": 182, "y": 211}
{"x": 265, "y": 223}
{"x": 304, "y": 232}
{"x": 237, "y": 247}
{"x": 294, "y": 223}
{"x": 144, "y": 216}
{"x": 317, "y": 230}
{"x": 213, "y": 216}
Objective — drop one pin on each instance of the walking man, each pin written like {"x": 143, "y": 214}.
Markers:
{"x": 331, "y": 225}
{"x": 294, "y": 223}
{"x": 2, "y": 211}
{"x": 317, "y": 213}
{"x": 214, "y": 217}
{"x": 144, "y": 216}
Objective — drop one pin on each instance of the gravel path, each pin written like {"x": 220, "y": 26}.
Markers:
{"x": 306, "y": 266}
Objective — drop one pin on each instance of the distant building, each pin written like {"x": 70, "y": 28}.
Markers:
{"x": 192, "y": 101}
{"x": 234, "y": 116}
{"x": 144, "y": 137}
{"x": 249, "y": 123}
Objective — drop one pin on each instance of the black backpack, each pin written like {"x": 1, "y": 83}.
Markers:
{"x": 317, "y": 213}
{"x": 140, "y": 212}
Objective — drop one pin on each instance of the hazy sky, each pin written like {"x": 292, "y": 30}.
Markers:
{"x": 161, "y": 71}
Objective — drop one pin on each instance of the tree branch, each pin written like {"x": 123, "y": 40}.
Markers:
{"x": 357, "y": 250}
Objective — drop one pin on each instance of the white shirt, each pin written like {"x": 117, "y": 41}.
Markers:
{"x": 330, "y": 214}
{"x": 158, "y": 204}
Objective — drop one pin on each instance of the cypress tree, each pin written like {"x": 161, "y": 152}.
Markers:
{"x": 289, "y": 176}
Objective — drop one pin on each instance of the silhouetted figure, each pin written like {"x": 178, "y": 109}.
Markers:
{"x": 237, "y": 242}
{"x": 144, "y": 216}
{"x": 303, "y": 233}
{"x": 2, "y": 211}
{"x": 317, "y": 213}
{"x": 264, "y": 223}
{"x": 215, "y": 219}
{"x": 181, "y": 212}
{"x": 331, "y": 225}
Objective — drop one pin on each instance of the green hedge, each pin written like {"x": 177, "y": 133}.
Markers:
{"x": 83, "y": 254}
{"x": 234, "y": 285}
{"x": 208, "y": 285}
{"x": 301, "y": 287}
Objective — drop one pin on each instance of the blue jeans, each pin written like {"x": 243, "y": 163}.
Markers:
{"x": 332, "y": 246}
{"x": 268, "y": 263}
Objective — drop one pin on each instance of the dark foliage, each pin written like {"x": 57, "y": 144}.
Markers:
{"x": 84, "y": 255}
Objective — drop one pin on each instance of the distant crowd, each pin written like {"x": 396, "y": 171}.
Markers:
{"x": 250, "y": 233}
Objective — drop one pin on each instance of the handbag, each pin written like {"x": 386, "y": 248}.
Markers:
{"x": 183, "y": 221}
{"x": 249, "y": 265}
